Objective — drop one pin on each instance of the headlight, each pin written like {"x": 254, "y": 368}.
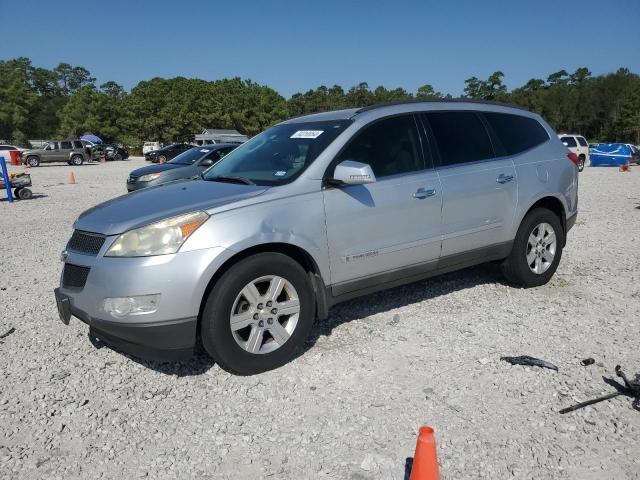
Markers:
{"x": 160, "y": 238}
{"x": 148, "y": 177}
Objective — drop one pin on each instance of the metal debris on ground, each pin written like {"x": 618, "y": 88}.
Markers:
{"x": 587, "y": 361}
{"x": 8, "y": 332}
{"x": 629, "y": 389}
{"x": 529, "y": 362}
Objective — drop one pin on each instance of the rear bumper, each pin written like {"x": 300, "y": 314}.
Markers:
{"x": 165, "y": 341}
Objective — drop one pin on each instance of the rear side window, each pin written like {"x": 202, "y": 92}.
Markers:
{"x": 77, "y": 144}
{"x": 517, "y": 133}
{"x": 390, "y": 147}
{"x": 582, "y": 142}
{"x": 569, "y": 141}
{"x": 460, "y": 136}
{"x": 65, "y": 145}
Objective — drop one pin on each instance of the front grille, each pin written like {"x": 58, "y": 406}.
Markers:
{"x": 74, "y": 276}
{"x": 84, "y": 242}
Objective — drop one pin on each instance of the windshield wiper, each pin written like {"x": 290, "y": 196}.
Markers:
{"x": 230, "y": 179}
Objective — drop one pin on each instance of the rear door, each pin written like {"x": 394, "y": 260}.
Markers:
{"x": 389, "y": 227}
{"x": 51, "y": 153}
{"x": 64, "y": 154}
{"x": 479, "y": 190}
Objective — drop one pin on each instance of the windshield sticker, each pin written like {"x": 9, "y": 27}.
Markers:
{"x": 307, "y": 134}
{"x": 280, "y": 173}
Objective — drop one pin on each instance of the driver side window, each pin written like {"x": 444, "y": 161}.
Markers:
{"x": 390, "y": 147}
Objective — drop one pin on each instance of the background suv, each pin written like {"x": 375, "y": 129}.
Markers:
{"x": 312, "y": 212}
{"x": 72, "y": 152}
{"x": 167, "y": 153}
{"x": 578, "y": 145}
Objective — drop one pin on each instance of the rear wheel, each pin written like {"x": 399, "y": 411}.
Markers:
{"x": 537, "y": 249}
{"x": 33, "y": 161}
{"x": 77, "y": 160}
{"x": 117, "y": 157}
{"x": 259, "y": 312}
{"x": 24, "y": 194}
{"x": 581, "y": 161}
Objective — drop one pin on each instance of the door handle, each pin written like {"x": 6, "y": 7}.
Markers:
{"x": 422, "y": 193}
{"x": 502, "y": 178}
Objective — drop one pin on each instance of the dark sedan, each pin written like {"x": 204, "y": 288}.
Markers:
{"x": 186, "y": 165}
{"x": 167, "y": 153}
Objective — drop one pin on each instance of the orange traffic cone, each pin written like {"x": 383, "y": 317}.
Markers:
{"x": 425, "y": 460}
{"x": 626, "y": 167}
{"x": 72, "y": 179}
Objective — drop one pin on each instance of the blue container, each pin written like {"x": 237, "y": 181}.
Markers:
{"x": 610, "y": 155}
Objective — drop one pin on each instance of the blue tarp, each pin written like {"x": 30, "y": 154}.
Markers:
{"x": 610, "y": 155}
{"x": 91, "y": 138}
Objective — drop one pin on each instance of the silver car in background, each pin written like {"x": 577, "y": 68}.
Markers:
{"x": 316, "y": 210}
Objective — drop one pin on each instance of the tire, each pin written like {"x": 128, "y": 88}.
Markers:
{"x": 24, "y": 194}
{"x": 16, "y": 193}
{"x": 581, "y": 163}
{"x": 33, "y": 161}
{"x": 226, "y": 346}
{"x": 117, "y": 157}
{"x": 77, "y": 160}
{"x": 516, "y": 267}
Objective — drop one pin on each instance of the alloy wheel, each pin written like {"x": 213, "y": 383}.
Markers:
{"x": 541, "y": 248}
{"x": 264, "y": 314}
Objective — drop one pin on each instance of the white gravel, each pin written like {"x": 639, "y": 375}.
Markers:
{"x": 350, "y": 405}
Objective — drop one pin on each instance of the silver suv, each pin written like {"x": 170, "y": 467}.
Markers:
{"x": 71, "y": 151}
{"x": 314, "y": 211}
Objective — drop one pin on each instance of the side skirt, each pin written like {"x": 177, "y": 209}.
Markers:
{"x": 363, "y": 286}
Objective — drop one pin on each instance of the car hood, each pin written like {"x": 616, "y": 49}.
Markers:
{"x": 161, "y": 167}
{"x": 157, "y": 203}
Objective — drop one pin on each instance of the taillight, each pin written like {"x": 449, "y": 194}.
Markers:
{"x": 574, "y": 158}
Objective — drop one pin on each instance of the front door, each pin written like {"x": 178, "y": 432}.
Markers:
{"x": 380, "y": 232}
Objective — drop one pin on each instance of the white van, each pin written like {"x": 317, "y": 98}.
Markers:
{"x": 150, "y": 146}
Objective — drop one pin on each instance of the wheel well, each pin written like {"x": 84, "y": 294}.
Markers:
{"x": 555, "y": 205}
{"x": 293, "y": 252}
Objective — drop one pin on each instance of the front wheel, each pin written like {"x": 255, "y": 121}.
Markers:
{"x": 258, "y": 313}
{"x": 24, "y": 194}
{"x": 537, "y": 249}
{"x": 33, "y": 161}
{"x": 581, "y": 161}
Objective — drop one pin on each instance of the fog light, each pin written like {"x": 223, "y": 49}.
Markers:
{"x": 122, "y": 306}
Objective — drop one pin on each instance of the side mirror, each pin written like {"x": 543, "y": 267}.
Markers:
{"x": 352, "y": 173}
{"x": 207, "y": 162}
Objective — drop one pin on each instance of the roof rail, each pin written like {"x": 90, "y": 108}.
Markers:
{"x": 438, "y": 100}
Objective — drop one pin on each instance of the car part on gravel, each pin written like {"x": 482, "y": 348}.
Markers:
{"x": 587, "y": 361}
{"x": 529, "y": 362}
{"x": 629, "y": 389}
{"x": 8, "y": 332}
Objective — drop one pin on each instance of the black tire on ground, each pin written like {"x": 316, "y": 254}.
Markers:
{"x": 24, "y": 193}
{"x": 515, "y": 267}
{"x": 16, "y": 193}
{"x": 117, "y": 157}
{"x": 581, "y": 161}
{"x": 77, "y": 160}
{"x": 215, "y": 329}
{"x": 33, "y": 161}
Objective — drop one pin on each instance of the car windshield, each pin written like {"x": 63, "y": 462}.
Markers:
{"x": 278, "y": 155}
{"x": 190, "y": 157}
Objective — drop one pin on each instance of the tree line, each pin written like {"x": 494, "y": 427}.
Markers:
{"x": 40, "y": 103}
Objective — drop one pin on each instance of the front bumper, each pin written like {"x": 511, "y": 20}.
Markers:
{"x": 180, "y": 279}
{"x": 165, "y": 341}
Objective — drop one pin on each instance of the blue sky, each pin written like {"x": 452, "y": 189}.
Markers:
{"x": 294, "y": 46}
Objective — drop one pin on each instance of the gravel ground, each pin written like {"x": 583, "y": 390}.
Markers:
{"x": 350, "y": 405}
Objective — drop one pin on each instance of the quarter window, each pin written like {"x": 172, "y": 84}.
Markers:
{"x": 460, "y": 136}
{"x": 569, "y": 141}
{"x": 517, "y": 133}
{"x": 389, "y": 146}
{"x": 582, "y": 142}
